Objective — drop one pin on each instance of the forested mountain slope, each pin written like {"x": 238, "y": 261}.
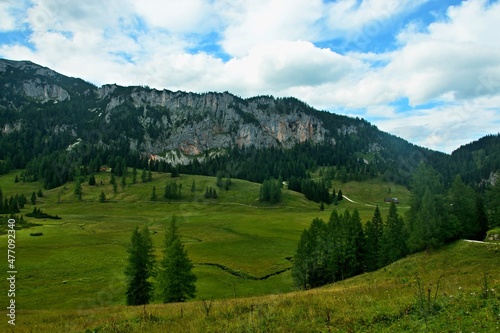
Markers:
{"x": 57, "y": 122}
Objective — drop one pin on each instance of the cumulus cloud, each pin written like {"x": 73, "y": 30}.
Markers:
{"x": 365, "y": 16}
{"x": 249, "y": 23}
{"x": 447, "y": 127}
{"x": 179, "y": 16}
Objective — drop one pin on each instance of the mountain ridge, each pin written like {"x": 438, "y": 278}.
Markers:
{"x": 59, "y": 112}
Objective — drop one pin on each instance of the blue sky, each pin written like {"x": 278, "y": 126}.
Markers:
{"x": 425, "y": 70}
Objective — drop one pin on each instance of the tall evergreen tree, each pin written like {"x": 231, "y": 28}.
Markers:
{"x": 134, "y": 175}
{"x": 481, "y": 220}
{"x": 310, "y": 261}
{"x": 102, "y": 197}
{"x": 140, "y": 267}
{"x": 153, "y": 194}
{"x": 493, "y": 198}
{"x": 373, "y": 234}
{"x": 176, "y": 278}
{"x": 461, "y": 216}
{"x": 426, "y": 216}
{"x": 393, "y": 243}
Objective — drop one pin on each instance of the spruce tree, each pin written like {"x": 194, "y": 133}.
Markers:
{"x": 373, "y": 233}
{"x": 176, "y": 278}
{"x": 481, "y": 220}
{"x": 134, "y": 175}
{"x": 92, "y": 180}
{"x": 140, "y": 267}
{"x": 153, "y": 194}
{"x": 102, "y": 197}
{"x": 393, "y": 244}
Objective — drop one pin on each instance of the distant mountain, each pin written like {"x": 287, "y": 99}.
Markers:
{"x": 44, "y": 113}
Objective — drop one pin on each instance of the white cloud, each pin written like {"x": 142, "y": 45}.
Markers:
{"x": 179, "y": 16}
{"x": 280, "y": 65}
{"x": 447, "y": 127}
{"x": 249, "y": 23}
{"x": 11, "y": 16}
{"x": 452, "y": 61}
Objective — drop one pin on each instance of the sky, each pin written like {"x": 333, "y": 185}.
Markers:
{"x": 425, "y": 70}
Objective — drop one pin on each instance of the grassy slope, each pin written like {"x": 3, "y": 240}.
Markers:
{"x": 77, "y": 265}
{"x": 383, "y": 301}
{"x": 84, "y": 253}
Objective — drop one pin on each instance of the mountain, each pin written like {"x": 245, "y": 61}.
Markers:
{"x": 44, "y": 113}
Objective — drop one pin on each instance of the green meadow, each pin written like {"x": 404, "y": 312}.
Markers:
{"x": 240, "y": 247}
{"x": 71, "y": 278}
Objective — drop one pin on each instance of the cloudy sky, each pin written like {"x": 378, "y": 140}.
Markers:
{"x": 425, "y": 70}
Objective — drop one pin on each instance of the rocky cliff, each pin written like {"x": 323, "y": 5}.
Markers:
{"x": 158, "y": 122}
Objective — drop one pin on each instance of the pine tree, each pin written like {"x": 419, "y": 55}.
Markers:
{"x": 140, "y": 267}
{"x": 143, "y": 176}
{"x": 92, "y": 180}
{"x": 33, "y": 198}
{"x": 193, "y": 186}
{"x": 176, "y": 279}
{"x": 39, "y": 193}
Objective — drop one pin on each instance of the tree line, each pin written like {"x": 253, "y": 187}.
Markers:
{"x": 344, "y": 247}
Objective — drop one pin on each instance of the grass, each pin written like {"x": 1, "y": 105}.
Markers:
{"x": 84, "y": 253}
{"x": 71, "y": 278}
{"x": 382, "y": 301}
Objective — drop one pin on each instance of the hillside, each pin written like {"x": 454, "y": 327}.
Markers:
{"x": 85, "y": 250}
{"x": 453, "y": 289}
{"x": 44, "y": 114}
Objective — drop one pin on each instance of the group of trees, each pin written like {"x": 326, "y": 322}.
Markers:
{"x": 270, "y": 191}
{"x": 329, "y": 252}
{"x": 12, "y": 204}
{"x": 210, "y": 193}
{"x": 172, "y": 191}
{"x": 315, "y": 191}
{"x": 342, "y": 247}
{"x": 439, "y": 216}
{"x": 172, "y": 278}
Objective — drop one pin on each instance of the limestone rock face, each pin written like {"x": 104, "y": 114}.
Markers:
{"x": 161, "y": 121}
{"x": 195, "y": 123}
